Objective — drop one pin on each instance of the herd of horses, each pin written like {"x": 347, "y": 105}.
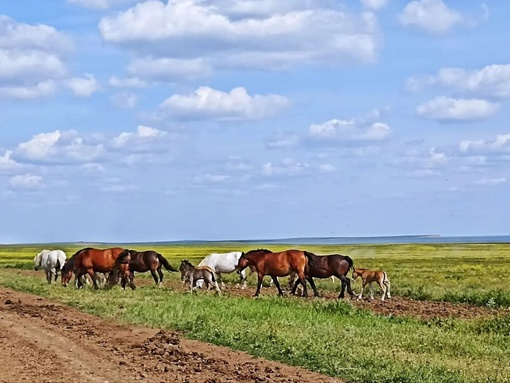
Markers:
{"x": 119, "y": 265}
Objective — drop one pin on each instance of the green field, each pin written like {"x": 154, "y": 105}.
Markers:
{"x": 328, "y": 336}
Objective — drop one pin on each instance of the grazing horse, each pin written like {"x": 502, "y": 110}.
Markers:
{"x": 88, "y": 261}
{"x": 143, "y": 261}
{"x": 51, "y": 261}
{"x": 369, "y": 276}
{"x": 275, "y": 265}
{"x": 193, "y": 274}
{"x": 223, "y": 263}
{"x": 325, "y": 266}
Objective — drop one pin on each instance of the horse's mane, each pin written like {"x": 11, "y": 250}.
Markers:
{"x": 265, "y": 251}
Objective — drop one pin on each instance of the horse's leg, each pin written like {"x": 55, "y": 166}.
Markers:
{"x": 371, "y": 287}
{"x": 277, "y": 284}
{"x": 48, "y": 275}
{"x": 243, "y": 277}
{"x": 160, "y": 273}
{"x": 296, "y": 283}
{"x": 302, "y": 278}
{"x": 345, "y": 283}
{"x": 92, "y": 275}
{"x": 260, "y": 278}
{"x": 388, "y": 286}
{"x": 215, "y": 282}
{"x": 155, "y": 276}
{"x": 219, "y": 279}
{"x": 363, "y": 284}
{"x": 191, "y": 282}
{"x": 383, "y": 289}
{"x": 314, "y": 288}
{"x": 78, "y": 282}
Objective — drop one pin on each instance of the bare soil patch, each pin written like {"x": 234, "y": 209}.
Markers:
{"x": 43, "y": 341}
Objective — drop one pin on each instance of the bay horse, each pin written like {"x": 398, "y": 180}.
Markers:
{"x": 88, "y": 261}
{"x": 193, "y": 274}
{"x": 325, "y": 266}
{"x": 279, "y": 264}
{"x": 149, "y": 260}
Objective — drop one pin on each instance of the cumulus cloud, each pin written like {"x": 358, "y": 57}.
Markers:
{"x": 31, "y": 58}
{"x": 349, "y": 131}
{"x": 82, "y": 87}
{"x": 208, "y": 103}
{"x": 499, "y": 145}
{"x": 489, "y": 81}
{"x": 59, "y": 147}
{"x": 7, "y": 163}
{"x": 26, "y": 181}
{"x": 145, "y": 138}
{"x": 432, "y": 16}
{"x": 461, "y": 110}
{"x": 168, "y": 69}
{"x": 265, "y": 35}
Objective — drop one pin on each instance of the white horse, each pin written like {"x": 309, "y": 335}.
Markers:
{"x": 223, "y": 263}
{"x": 51, "y": 261}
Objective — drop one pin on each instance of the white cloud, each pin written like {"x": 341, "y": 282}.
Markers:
{"x": 211, "y": 178}
{"x": 490, "y": 81}
{"x": 59, "y": 146}
{"x": 31, "y": 58}
{"x": 26, "y": 181}
{"x": 374, "y": 5}
{"x": 207, "y": 103}
{"x": 327, "y": 168}
{"x": 288, "y": 167}
{"x": 129, "y": 82}
{"x": 432, "y": 16}
{"x": 500, "y": 145}
{"x": 279, "y": 36}
{"x": 450, "y": 109}
{"x": 349, "y": 131}
{"x": 283, "y": 141}
{"x": 490, "y": 181}
{"x": 118, "y": 188}
{"x": 101, "y": 4}
{"x": 124, "y": 100}
{"x": 94, "y": 168}
{"x": 7, "y": 164}
{"x": 144, "y": 139}
{"x": 82, "y": 87}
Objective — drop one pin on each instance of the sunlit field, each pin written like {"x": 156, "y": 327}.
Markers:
{"x": 329, "y": 336}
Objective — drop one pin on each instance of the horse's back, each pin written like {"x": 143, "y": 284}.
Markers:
{"x": 222, "y": 262}
{"x": 101, "y": 260}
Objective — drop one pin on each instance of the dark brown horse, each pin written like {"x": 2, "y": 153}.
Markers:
{"x": 192, "y": 274}
{"x": 143, "y": 261}
{"x": 325, "y": 266}
{"x": 88, "y": 261}
{"x": 275, "y": 265}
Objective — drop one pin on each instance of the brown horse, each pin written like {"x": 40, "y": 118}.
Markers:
{"x": 325, "y": 266}
{"x": 193, "y": 274}
{"x": 143, "y": 261}
{"x": 275, "y": 265}
{"x": 88, "y": 261}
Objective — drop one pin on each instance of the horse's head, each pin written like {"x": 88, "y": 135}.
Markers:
{"x": 242, "y": 264}
{"x": 355, "y": 274}
{"x": 67, "y": 273}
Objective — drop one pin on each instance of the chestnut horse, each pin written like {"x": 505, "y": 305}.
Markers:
{"x": 275, "y": 265}
{"x": 325, "y": 266}
{"x": 88, "y": 261}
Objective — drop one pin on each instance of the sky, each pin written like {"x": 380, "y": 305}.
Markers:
{"x": 131, "y": 121}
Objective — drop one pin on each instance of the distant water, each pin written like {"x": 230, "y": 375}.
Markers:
{"x": 404, "y": 239}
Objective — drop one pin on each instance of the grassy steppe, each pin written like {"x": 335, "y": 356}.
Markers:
{"x": 328, "y": 336}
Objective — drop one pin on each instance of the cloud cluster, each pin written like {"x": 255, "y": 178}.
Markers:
{"x": 432, "y": 16}
{"x": 190, "y": 38}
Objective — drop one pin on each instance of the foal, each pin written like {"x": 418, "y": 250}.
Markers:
{"x": 193, "y": 274}
{"x": 369, "y": 276}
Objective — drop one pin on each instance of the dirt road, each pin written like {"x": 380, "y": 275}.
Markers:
{"x": 43, "y": 341}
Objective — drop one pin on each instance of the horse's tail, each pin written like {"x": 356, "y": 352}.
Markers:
{"x": 165, "y": 263}
{"x": 385, "y": 280}
{"x": 350, "y": 261}
{"x": 309, "y": 256}
{"x": 58, "y": 266}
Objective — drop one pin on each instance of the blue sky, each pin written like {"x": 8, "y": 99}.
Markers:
{"x": 167, "y": 120}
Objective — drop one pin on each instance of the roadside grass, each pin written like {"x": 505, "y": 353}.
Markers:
{"x": 330, "y": 337}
